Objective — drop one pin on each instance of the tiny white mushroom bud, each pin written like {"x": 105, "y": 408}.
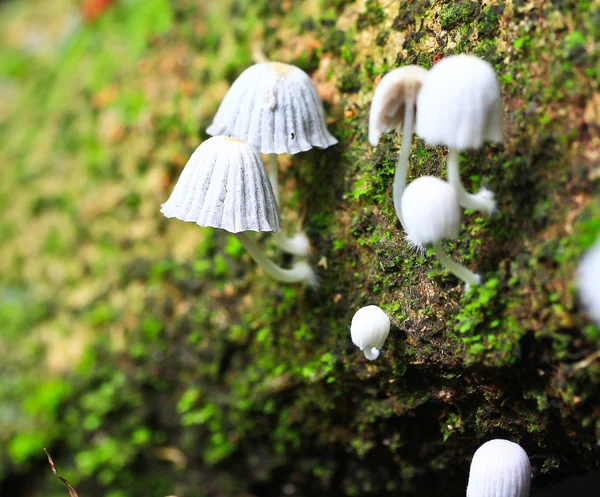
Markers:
{"x": 369, "y": 329}
{"x": 460, "y": 106}
{"x": 499, "y": 469}
{"x": 432, "y": 214}
{"x": 587, "y": 280}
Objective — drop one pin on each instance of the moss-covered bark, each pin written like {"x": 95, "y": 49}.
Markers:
{"x": 152, "y": 357}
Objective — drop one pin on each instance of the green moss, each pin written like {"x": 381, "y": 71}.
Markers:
{"x": 457, "y": 14}
{"x": 373, "y": 15}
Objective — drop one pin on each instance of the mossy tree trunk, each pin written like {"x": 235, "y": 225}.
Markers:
{"x": 152, "y": 357}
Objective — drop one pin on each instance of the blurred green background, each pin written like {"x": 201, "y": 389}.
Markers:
{"x": 152, "y": 358}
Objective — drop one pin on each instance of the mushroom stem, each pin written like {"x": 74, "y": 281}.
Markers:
{"x": 402, "y": 163}
{"x": 482, "y": 201}
{"x": 455, "y": 268}
{"x": 296, "y": 245}
{"x": 300, "y": 271}
{"x": 274, "y": 175}
{"x": 371, "y": 353}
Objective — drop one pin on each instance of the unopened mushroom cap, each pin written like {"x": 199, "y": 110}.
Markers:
{"x": 587, "y": 280}
{"x": 224, "y": 185}
{"x": 499, "y": 469}
{"x": 274, "y": 107}
{"x": 460, "y": 104}
{"x": 390, "y": 97}
{"x": 369, "y": 328}
{"x": 430, "y": 211}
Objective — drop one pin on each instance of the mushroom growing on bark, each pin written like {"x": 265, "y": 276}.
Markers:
{"x": 393, "y": 105}
{"x": 275, "y": 107}
{"x": 460, "y": 106}
{"x": 369, "y": 329}
{"x": 587, "y": 280}
{"x": 432, "y": 214}
{"x": 499, "y": 469}
{"x": 224, "y": 185}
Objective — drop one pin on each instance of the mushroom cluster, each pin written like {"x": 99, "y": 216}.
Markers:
{"x": 272, "y": 108}
{"x": 457, "y": 104}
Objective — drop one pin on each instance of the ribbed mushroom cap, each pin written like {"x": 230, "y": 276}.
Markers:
{"x": 430, "y": 210}
{"x": 389, "y": 100}
{"x": 224, "y": 185}
{"x": 370, "y": 327}
{"x": 587, "y": 280}
{"x": 274, "y": 107}
{"x": 460, "y": 104}
{"x": 499, "y": 469}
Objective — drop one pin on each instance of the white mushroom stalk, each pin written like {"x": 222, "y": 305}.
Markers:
{"x": 499, "y": 469}
{"x": 300, "y": 270}
{"x": 587, "y": 280}
{"x": 224, "y": 185}
{"x": 276, "y": 108}
{"x": 460, "y": 106}
{"x": 394, "y": 105}
{"x": 297, "y": 244}
{"x": 369, "y": 329}
{"x": 432, "y": 214}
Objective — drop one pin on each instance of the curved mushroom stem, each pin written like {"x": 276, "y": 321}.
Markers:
{"x": 371, "y": 353}
{"x": 299, "y": 272}
{"x": 297, "y": 244}
{"x": 482, "y": 201}
{"x": 274, "y": 175}
{"x": 402, "y": 163}
{"x": 455, "y": 268}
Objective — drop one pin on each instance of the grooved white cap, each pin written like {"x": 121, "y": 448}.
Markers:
{"x": 224, "y": 185}
{"x": 460, "y": 104}
{"x": 390, "y": 98}
{"x": 499, "y": 469}
{"x": 430, "y": 210}
{"x": 587, "y": 280}
{"x": 369, "y": 329}
{"x": 274, "y": 107}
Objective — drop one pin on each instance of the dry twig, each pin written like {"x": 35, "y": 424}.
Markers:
{"x": 72, "y": 492}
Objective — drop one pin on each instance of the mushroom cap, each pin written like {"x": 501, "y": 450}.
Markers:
{"x": 390, "y": 97}
{"x": 499, "y": 469}
{"x": 460, "y": 104}
{"x": 587, "y": 280}
{"x": 430, "y": 210}
{"x": 369, "y": 329}
{"x": 225, "y": 185}
{"x": 274, "y": 107}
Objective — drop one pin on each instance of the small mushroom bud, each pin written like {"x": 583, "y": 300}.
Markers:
{"x": 369, "y": 329}
{"x": 499, "y": 469}
{"x": 432, "y": 214}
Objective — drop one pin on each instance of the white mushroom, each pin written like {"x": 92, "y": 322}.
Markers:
{"x": 224, "y": 185}
{"x": 499, "y": 469}
{"x": 393, "y": 104}
{"x": 369, "y": 329}
{"x": 460, "y": 106}
{"x": 432, "y": 214}
{"x": 276, "y": 108}
{"x": 587, "y": 280}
